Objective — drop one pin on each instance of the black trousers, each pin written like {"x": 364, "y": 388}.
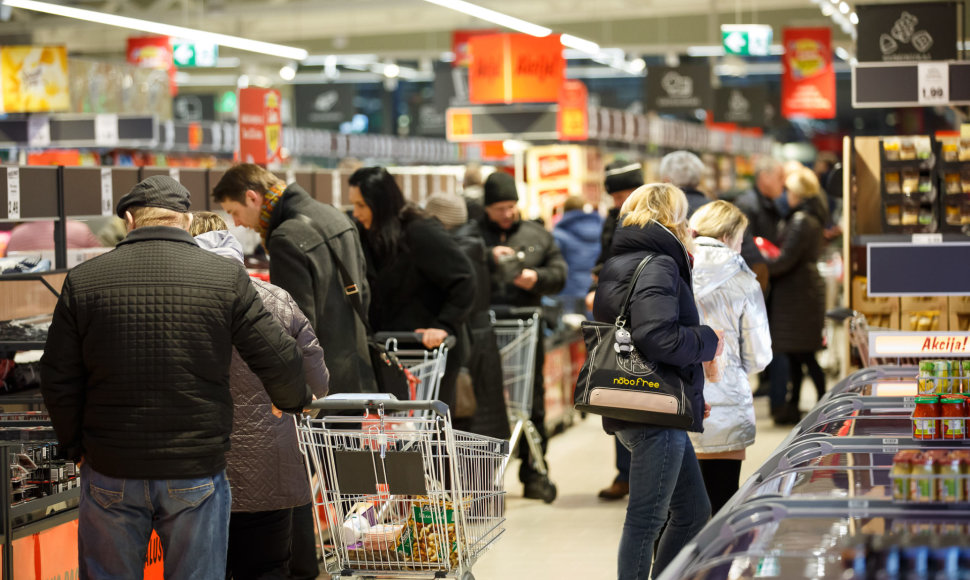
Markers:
{"x": 259, "y": 545}
{"x": 722, "y": 477}
{"x": 303, "y": 560}
{"x": 796, "y": 360}
{"x": 528, "y": 473}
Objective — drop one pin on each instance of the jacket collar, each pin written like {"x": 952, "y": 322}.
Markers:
{"x": 165, "y": 233}
{"x": 492, "y": 226}
{"x": 656, "y": 239}
{"x": 293, "y": 196}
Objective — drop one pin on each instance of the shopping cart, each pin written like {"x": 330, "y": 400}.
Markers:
{"x": 402, "y": 497}
{"x": 859, "y": 338}
{"x": 427, "y": 366}
{"x": 517, "y": 332}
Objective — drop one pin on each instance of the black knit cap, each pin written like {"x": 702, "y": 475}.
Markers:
{"x": 500, "y": 186}
{"x": 156, "y": 191}
{"x": 623, "y": 176}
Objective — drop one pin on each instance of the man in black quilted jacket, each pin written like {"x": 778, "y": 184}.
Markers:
{"x": 135, "y": 375}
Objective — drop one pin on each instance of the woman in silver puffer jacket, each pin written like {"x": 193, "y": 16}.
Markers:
{"x": 728, "y": 297}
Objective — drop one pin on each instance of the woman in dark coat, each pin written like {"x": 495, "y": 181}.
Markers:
{"x": 420, "y": 279}
{"x": 665, "y": 476}
{"x": 796, "y": 304}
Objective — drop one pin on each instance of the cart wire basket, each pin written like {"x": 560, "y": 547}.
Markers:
{"x": 401, "y": 497}
{"x": 427, "y": 366}
{"x": 859, "y": 338}
{"x": 517, "y": 332}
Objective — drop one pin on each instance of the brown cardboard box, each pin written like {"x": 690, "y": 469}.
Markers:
{"x": 866, "y": 304}
{"x": 925, "y": 313}
{"x": 959, "y": 309}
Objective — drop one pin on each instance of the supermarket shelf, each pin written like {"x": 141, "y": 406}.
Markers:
{"x": 45, "y": 503}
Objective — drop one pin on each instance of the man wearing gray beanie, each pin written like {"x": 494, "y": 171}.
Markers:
{"x": 526, "y": 265}
{"x": 135, "y": 376}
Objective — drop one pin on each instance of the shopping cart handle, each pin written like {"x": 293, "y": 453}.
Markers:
{"x": 328, "y": 404}
{"x": 840, "y": 314}
{"x": 406, "y": 339}
{"x": 503, "y": 311}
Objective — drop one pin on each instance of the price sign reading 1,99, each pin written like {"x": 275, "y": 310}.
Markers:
{"x": 934, "y": 83}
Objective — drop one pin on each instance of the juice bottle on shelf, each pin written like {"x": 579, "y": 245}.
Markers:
{"x": 941, "y": 370}
{"x": 954, "y": 413}
{"x": 926, "y": 418}
{"x": 923, "y": 482}
{"x": 965, "y": 373}
{"x": 927, "y": 381}
{"x": 900, "y": 475}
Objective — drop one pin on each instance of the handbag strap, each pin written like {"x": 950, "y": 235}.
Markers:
{"x": 351, "y": 289}
{"x": 625, "y": 308}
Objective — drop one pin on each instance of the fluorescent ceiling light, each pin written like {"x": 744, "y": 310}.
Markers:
{"x": 580, "y": 44}
{"x": 287, "y": 52}
{"x": 844, "y": 8}
{"x": 494, "y": 17}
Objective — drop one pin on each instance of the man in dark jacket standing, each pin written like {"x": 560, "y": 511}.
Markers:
{"x": 543, "y": 273}
{"x": 303, "y": 238}
{"x": 758, "y": 203}
{"x": 135, "y": 376}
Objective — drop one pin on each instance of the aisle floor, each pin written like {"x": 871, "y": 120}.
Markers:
{"x": 577, "y": 535}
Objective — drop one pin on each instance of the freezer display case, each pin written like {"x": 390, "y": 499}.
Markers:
{"x": 822, "y": 538}
{"x": 879, "y": 380}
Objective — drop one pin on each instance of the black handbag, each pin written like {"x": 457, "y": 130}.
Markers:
{"x": 617, "y": 381}
{"x": 389, "y": 373}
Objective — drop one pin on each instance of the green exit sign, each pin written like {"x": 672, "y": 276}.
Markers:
{"x": 746, "y": 39}
{"x": 194, "y": 54}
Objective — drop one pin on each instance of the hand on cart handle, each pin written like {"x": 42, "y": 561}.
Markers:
{"x": 432, "y": 337}
{"x": 399, "y": 340}
{"x": 527, "y": 279}
{"x": 388, "y": 404}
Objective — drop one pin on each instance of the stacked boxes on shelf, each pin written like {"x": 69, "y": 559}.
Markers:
{"x": 924, "y": 313}
{"x": 881, "y": 312}
{"x": 908, "y": 188}
{"x": 954, "y": 173}
{"x": 959, "y": 307}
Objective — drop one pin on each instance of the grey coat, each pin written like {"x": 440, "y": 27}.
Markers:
{"x": 729, "y": 298}
{"x": 264, "y": 464}
{"x": 300, "y": 230}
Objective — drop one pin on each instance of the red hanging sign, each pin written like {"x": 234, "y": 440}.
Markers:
{"x": 153, "y": 52}
{"x": 515, "y": 68}
{"x": 260, "y": 126}
{"x": 459, "y": 43}
{"x": 573, "y": 119}
{"x": 808, "y": 81}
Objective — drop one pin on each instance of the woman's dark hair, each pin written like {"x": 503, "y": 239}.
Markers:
{"x": 388, "y": 207}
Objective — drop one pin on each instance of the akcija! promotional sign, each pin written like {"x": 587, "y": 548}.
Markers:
{"x": 907, "y": 32}
{"x": 515, "y": 68}
{"x": 260, "y": 125}
{"x": 808, "y": 80}
{"x": 917, "y": 344}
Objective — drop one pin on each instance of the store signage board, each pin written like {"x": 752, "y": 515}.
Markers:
{"x": 681, "y": 89}
{"x": 808, "y": 79}
{"x": 919, "y": 344}
{"x": 35, "y": 79}
{"x": 515, "y": 68}
{"x": 746, "y": 39}
{"x": 324, "y": 106}
{"x": 187, "y": 54}
{"x": 573, "y": 117}
{"x": 260, "y": 125}
{"x": 911, "y": 32}
{"x": 901, "y": 269}
{"x": 891, "y": 84}
{"x": 743, "y": 106}
{"x": 499, "y": 122}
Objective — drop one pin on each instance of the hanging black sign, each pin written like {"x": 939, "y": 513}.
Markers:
{"x": 323, "y": 106}
{"x": 679, "y": 89}
{"x": 744, "y": 106}
{"x": 907, "y": 32}
{"x": 194, "y": 108}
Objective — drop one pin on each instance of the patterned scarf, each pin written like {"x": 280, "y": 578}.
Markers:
{"x": 270, "y": 199}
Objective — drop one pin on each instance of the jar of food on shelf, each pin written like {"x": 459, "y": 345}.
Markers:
{"x": 950, "y": 483}
{"x": 900, "y": 474}
{"x": 923, "y": 488}
{"x": 964, "y": 457}
{"x": 926, "y": 418}
{"x": 954, "y": 413}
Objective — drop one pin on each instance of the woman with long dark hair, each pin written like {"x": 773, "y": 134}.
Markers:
{"x": 419, "y": 277}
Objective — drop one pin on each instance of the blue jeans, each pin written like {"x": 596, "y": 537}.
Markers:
{"x": 116, "y": 518}
{"x": 664, "y": 478}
